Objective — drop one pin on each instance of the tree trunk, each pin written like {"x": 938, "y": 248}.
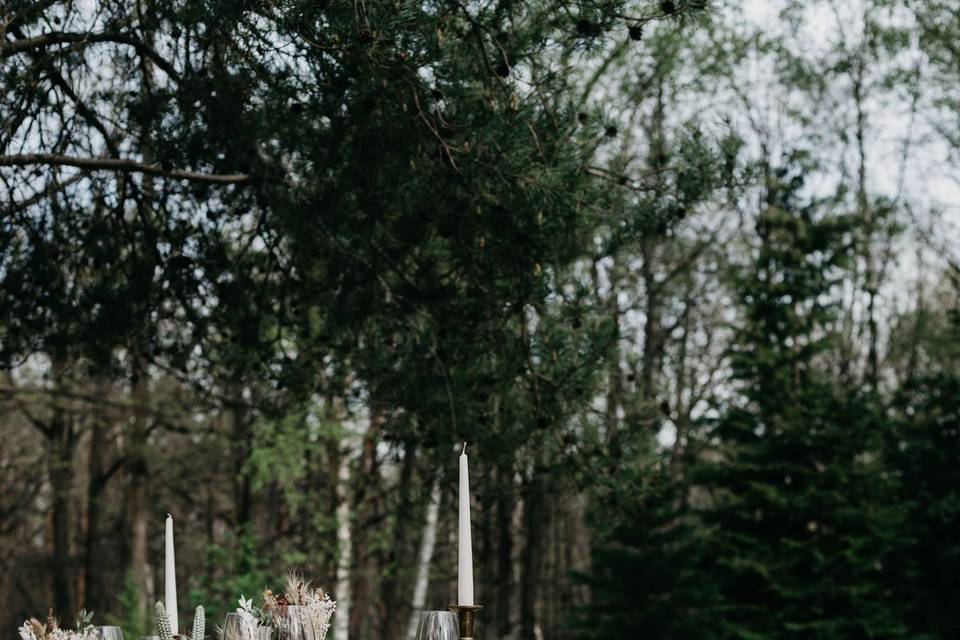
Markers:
{"x": 871, "y": 278}
{"x": 682, "y": 399}
{"x": 137, "y": 479}
{"x": 653, "y": 309}
{"x": 652, "y": 328}
{"x": 138, "y": 569}
{"x": 242, "y": 443}
{"x": 341, "y": 621}
{"x": 504, "y": 592}
{"x": 60, "y": 475}
{"x": 427, "y": 543}
{"x": 394, "y": 600}
{"x": 367, "y": 479}
{"x": 615, "y": 374}
{"x": 94, "y": 586}
{"x": 534, "y": 524}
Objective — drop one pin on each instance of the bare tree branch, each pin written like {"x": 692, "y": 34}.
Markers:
{"x": 59, "y": 81}
{"x": 43, "y": 194}
{"x": 27, "y": 44}
{"x": 121, "y": 164}
{"x": 29, "y": 12}
{"x": 60, "y": 397}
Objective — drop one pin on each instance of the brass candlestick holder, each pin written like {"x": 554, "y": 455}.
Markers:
{"x": 465, "y": 618}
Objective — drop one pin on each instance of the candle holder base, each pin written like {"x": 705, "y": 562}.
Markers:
{"x": 465, "y": 618}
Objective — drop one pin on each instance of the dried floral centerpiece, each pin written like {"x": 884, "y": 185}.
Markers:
{"x": 165, "y": 631}
{"x": 301, "y": 612}
{"x": 33, "y": 629}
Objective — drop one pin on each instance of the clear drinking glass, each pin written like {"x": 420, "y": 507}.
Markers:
{"x": 233, "y": 627}
{"x": 236, "y": 628}
{"x": 107, "y": 633}
{"x": 437, "y": 625}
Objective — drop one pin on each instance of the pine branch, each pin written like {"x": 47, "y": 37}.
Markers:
{"x": 121, "y": 164}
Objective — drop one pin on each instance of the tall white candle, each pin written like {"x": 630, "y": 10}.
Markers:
{"x": 170, "y": 579}
{"x": 465, "y": 546}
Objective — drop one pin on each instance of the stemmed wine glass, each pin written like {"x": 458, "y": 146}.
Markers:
{"x": 437, "y": 625}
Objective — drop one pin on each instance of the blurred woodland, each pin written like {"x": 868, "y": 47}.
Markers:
{"x": 685, "y": 275}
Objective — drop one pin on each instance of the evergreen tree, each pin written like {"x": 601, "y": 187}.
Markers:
{"x": 801, "y": 508}
{"x": 923, "y": 451}
{"x": 647, "y": 579}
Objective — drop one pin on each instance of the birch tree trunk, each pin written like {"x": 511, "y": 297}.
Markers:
{"x": 341, "y": 621}
{"x": 424, "y": 559}
{"x": 395, "y": 599}
{"x": 365, "y": 488}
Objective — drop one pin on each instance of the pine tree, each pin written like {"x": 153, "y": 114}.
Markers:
{"x": 646, "y": 579}
{"x": 923, "y": 452}
{"x": 801, "y": 509}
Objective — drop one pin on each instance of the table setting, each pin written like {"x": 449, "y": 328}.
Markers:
{"x": 302, "y": 610}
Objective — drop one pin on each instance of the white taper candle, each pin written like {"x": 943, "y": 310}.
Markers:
{"x": 170, "y": 579}
{"x": 465, "y": 546}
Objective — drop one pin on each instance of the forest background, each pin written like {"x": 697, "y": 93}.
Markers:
{"x": 686, "y": 275}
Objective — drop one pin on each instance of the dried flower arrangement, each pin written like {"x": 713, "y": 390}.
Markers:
{"x": 301, "y": 612}
{"x": 33, "y": 629}
{"x": 163, "y": 623}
